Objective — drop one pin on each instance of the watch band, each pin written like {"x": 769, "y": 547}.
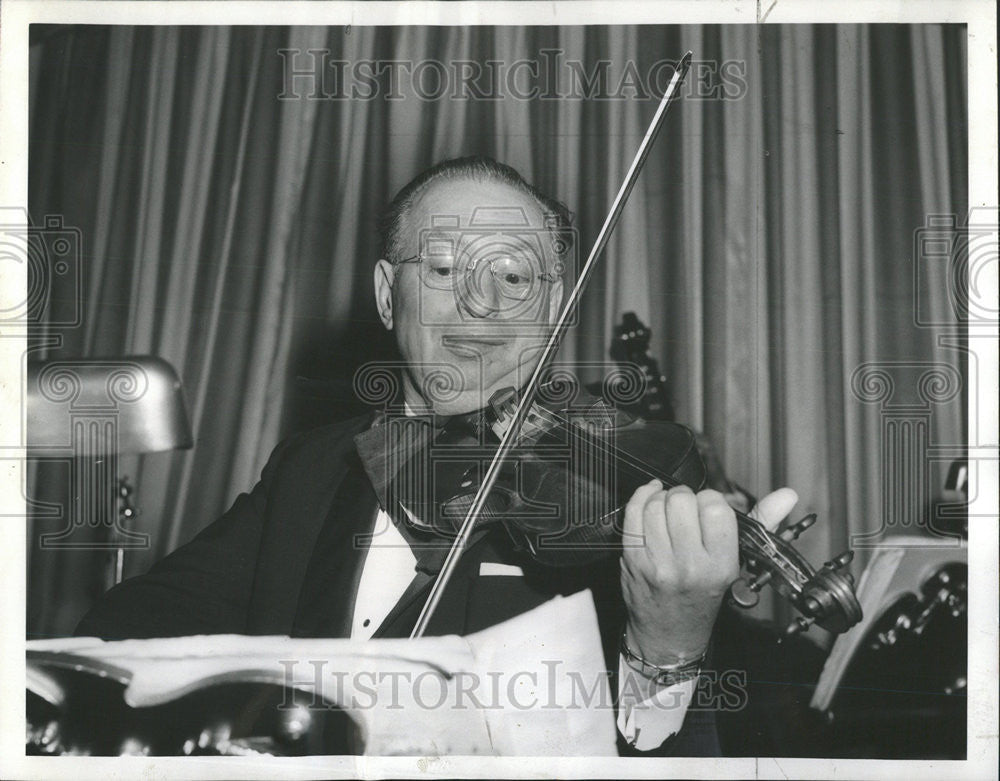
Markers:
{"x": 662, "y": 674}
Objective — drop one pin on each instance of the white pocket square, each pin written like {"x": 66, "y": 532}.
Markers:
{"x": 495, "y": 568}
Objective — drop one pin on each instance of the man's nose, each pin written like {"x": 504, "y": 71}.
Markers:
{"x": 479, "y": 297}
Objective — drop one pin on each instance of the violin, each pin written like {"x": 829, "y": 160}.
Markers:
{"x": 544, "y": 507}
{"x": 561, "y": 498}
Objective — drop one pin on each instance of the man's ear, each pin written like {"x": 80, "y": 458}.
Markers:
{"x": 385, "y": 273}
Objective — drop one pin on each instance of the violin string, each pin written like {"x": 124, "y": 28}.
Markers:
{"x": 548, "y": 353}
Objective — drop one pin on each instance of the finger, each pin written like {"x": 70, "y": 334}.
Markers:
{"x": 681, "y": 510}
{"x": 654, "y": 526}
{"x": 775, "y": 507}
{"x": 632, "y": 525}
{"x": 718, "y": 526}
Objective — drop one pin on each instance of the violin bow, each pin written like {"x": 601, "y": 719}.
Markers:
{"x": 530, "y": 391}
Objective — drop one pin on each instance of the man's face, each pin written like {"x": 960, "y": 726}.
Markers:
{"x": 476, "y": 309}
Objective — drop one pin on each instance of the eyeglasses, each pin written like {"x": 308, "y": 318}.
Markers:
{"x": 512, "y": 276}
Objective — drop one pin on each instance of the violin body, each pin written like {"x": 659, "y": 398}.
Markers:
{"x": 562, "y": 494}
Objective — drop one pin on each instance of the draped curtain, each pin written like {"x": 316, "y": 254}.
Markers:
{"x": 230, "y": 228}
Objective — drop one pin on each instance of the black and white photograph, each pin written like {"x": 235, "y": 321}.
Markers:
{"x": 456, "y": 389}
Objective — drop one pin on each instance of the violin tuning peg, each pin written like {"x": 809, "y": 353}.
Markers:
{"x": 759, "y": 582}
{"x": 798, "y": 626}
{"x": 813, "y": 607}
{"x": 743, "y": 594}
{"x": 792, "y": 532}
{"x": 841, "y": 561}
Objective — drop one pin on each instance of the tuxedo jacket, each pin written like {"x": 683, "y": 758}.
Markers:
{"x": 286, "y": 558}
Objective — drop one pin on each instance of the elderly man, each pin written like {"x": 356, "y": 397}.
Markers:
{"x": 284, "y": 558}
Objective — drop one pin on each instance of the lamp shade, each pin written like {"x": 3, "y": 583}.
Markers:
{"x": 134, "y": 402}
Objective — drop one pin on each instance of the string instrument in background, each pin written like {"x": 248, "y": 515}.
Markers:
{"x": 630, "y": 346}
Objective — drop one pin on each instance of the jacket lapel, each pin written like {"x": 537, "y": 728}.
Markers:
{"x": 326, "y": 600}
{"x": 299, "y": 502}
{"x": 402, "y": 618}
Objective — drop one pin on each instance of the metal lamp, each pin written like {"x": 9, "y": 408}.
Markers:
{"x": 90, "y": 411}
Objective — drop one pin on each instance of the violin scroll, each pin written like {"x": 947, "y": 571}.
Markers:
{"x": 829, "y": 599}
{"x": 824, "y": 597}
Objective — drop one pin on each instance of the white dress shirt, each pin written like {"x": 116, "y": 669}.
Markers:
{"x": 389, "y": 567}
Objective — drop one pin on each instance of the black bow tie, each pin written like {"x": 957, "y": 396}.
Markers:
{"x": 394, "y": 453}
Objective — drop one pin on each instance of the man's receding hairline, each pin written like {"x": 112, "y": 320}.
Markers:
{"x": 420, "y": 195}
{"x": 476, "y": 169}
